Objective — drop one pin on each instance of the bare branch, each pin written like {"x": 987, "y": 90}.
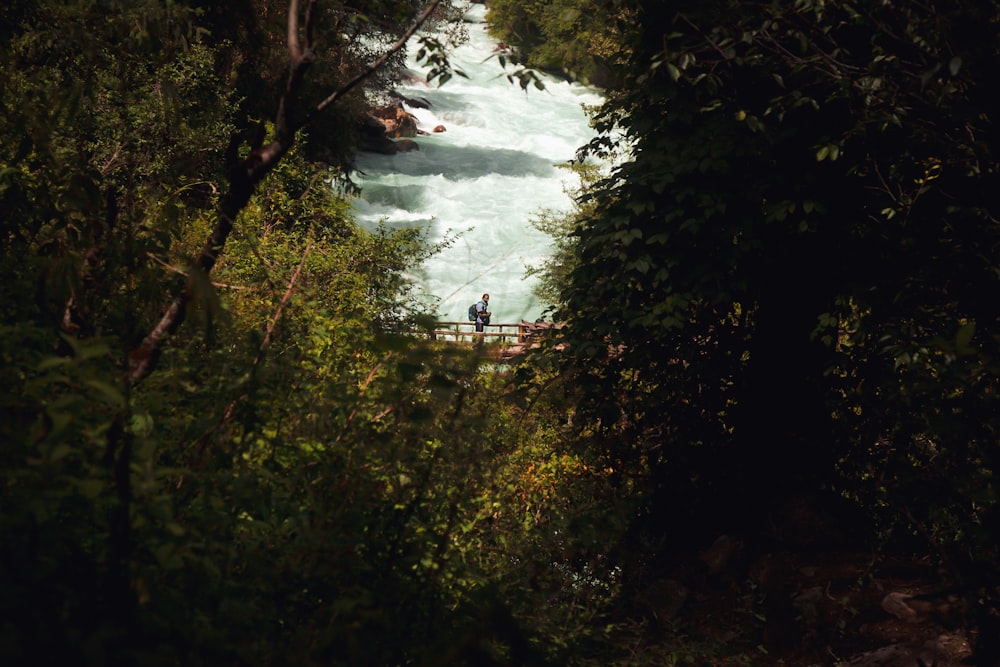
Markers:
{"x": 174, "y": 269}
{"x": 309, "y": 25}
{"x": 281, "y": 306}
{"x": 377, "y": 65}
{"x": 364, "y": 387}
{"x": 294, "y": 47}
{"x": 269, "y": 331}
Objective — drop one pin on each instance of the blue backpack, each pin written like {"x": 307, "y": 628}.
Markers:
{"x": 473, "y": 312}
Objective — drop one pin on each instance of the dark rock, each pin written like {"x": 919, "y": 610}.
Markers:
{"x": 398, "y": 122}
{"x": 379, "y": 127}
{"x": 412, "y": 102}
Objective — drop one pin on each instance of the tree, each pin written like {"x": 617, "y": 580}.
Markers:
{"x": 781, "y": 285}
{"x": 583, "y": 40}
{"x": 227, "y": 506}
{"x": 246, "y": 174}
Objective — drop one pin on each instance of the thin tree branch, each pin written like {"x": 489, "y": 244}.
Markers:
{"x": 281, "y": 306}
{"x": 364, "y": 387}
{"x": 269, "y": 331}
{"x": 245, "y": 176}
{"x": 294, "y": 47}
{"x": 378, "y": 64}
{"x": 174, "y": 269}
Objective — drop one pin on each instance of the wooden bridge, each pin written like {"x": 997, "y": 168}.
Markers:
{"x": 511, "y": 339}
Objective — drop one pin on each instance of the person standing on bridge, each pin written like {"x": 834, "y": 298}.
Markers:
{"x": 482, "y": 312}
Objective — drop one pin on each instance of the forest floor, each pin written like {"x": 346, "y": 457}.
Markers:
{"x": 837, "y": 609}
{"x": 803, "y": 589}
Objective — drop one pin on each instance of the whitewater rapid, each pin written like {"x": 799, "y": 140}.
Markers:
{"x": 482, "y": 180}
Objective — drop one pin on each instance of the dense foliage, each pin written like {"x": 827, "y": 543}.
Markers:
{"x": 291, "y": 482}
{"x": 779, "y": 302}
{"x": 582, "y": 39}
{"x": 774, "y": 335}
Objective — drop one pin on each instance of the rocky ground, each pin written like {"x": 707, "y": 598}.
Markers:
{"x": 852, "y": 610}
{"x": 838, "y": 609}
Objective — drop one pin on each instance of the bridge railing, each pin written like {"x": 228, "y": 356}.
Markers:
{"x": 510, "y": 332}
{"x": 507, "y": 339}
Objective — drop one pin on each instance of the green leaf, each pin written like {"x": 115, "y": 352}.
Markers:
{"x": 88, "y": 488}
{"x": 59, "y": 452}
{"x": 963, "y": 339}
{"x": 569, "y": 15}
{"x": 107, "y": 392}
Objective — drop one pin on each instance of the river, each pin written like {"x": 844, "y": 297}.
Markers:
{"x": 482, "y": 180}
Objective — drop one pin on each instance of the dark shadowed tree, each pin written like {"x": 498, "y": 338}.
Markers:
{"x": 782, "y": 293}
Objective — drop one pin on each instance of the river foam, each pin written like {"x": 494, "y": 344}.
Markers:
{"x": 482, "y": 180}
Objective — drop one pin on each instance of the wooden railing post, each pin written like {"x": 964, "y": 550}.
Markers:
{"x": 513, "y": 338}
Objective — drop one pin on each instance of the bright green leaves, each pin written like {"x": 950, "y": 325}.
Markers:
{"x": 570, "y": 15}
{"x": 827, "y": 151}
{"x": 932, "y": 169}
{"x": 586, "y": 39}
{"x": 293, "y": 464}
